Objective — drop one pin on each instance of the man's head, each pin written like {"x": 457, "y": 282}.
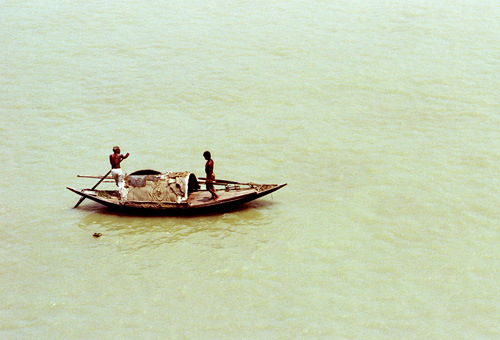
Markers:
{"x": 207, "y": 155}
{"x": 116, "y": 149}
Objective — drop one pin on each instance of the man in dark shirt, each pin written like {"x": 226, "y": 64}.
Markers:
{"x": 209, "y": 170}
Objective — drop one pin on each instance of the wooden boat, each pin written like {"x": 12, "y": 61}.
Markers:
{"x": 151, "y": 191}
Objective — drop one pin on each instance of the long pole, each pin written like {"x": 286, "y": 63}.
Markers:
{"x": 95, "y": 186}
{"x": 223, "y": 181}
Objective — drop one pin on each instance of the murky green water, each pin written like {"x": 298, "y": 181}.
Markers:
{"x": 383, "y": 118}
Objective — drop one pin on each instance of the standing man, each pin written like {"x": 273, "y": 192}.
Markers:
{"x": 115, "y": 159}
{"x": 209, "y": 170}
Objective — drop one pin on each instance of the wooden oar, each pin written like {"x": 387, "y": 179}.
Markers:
{"x": 95, "y": 186}
{"x": 223, "y": 181}
{"x": 92, "y": 176}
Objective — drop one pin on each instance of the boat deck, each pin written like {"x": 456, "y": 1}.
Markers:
{"x": 204, "y": 198}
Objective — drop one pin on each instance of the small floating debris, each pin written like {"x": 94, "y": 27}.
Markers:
{"x": 97, "y": 235}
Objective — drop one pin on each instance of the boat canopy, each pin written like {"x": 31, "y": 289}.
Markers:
{"x": 154, "y": 186}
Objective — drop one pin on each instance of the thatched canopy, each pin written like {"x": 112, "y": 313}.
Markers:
{"x": 171, "y": 187}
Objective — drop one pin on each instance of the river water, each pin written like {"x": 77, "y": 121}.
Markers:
{"x": 382, "y": 117}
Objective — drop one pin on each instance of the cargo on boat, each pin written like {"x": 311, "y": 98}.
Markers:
{"x": 171, "y": 192}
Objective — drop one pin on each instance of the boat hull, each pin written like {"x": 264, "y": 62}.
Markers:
{"x": 198, "y": 202}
